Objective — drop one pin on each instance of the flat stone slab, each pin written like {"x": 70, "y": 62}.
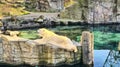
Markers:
{"x": 100, "y": 57}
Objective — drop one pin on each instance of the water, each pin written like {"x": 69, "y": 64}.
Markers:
{"x": 100, "y": 57}
{"x": 105, "y": 37}
{"x": 113, "y": 59}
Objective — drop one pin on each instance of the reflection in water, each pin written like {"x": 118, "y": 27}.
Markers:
{"x": 26, "y": 65}
{"x": 77, "y": 65}
{"x": 113, "y": 59}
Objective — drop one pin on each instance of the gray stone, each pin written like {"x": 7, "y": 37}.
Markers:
{"x": 18, "y": 50}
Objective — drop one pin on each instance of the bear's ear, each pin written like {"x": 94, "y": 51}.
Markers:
{"x": 41, "y": 30}
{"x": 38, "y": 31}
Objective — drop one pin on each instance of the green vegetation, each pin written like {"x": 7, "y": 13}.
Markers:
{"x": 29, "y": 34}
{"x": 11, "y": 8}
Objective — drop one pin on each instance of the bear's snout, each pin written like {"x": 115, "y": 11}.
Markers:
{"x": 72, "y": 48}
{"x": 75, "y": 49}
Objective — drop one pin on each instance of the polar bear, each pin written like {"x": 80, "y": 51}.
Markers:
{"x": 49, "y": 37}
{"x": 13, "y": 33}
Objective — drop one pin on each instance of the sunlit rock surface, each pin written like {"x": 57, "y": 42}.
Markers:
{"x": 16, "y": 50}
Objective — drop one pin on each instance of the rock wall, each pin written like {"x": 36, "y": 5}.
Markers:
{"x": 78, "y": 11}
{"x": 15, "y": 50}
{"x": 37, "y": 5}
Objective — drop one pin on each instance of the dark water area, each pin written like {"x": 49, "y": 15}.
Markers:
{"x": 27, "y": 65}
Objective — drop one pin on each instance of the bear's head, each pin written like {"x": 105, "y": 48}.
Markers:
{"x": 73, "y": 48}
{"x": 42, "y": 32}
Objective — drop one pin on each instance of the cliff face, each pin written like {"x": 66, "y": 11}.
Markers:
{"x": 70, "y": 9}
{"x": 48, "y": 5}
{"x": 118, "y": 13}
{"x": 90, "y": 10}
{"x": 78, "y": 11}
{"x": 37, "y": 5}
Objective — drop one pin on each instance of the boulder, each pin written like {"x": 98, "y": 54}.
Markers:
{"x": 16, "y": 50}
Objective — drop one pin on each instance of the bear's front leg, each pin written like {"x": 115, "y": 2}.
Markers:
{"x": 40, "y": 41}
